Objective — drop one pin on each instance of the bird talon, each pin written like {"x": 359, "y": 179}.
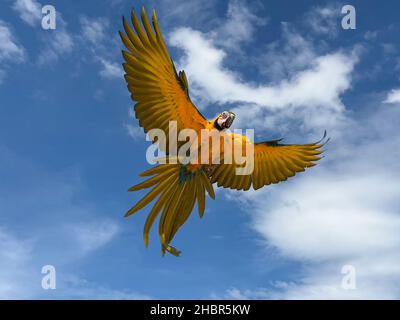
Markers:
{"x": 171, "y": 250}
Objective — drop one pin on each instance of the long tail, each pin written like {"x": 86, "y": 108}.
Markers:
{"x": 177, "y": 190}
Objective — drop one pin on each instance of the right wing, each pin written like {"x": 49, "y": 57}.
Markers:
{"x": 273, "y": 162}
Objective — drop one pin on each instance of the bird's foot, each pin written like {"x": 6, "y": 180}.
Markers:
{"x": 170, "y": 249}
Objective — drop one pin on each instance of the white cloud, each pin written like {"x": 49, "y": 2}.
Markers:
{"x": 246, "y": 294}
{"x": 203, "y": 63}
{"x": 239, "y": 26}
{"x": 77, "y": 288}
{"x": 348, "y": 205}
{"x": 60, "y": 44}
{"x": 232, "y": 293}
{"x": 116, "y": 3}
{"x": 317, "y": 88}
{"x": 172, "y": 11}
{"x": 59, "y": 217}
{"x": 324, "y": 20}
{"x": 20, "y": 273}
{"x": 93, "y": 235}
{"x": 10, "y": 50}
{"x": 29, "y": 11}
{"x": 110, "y": 70}
{"x": 94, "y": 30}
{"x": 286, "y": 56}
{"x": 393, "y": 96}
{"x": 15, "y": 256}
{"x": 57, "y": 43}
{"x": 12, "y": 249}
{"x": 135, "y": 132}
{"x": 96, "y": 39}
{"x": 370, "y": 35}
{"x": 344, "y": 211}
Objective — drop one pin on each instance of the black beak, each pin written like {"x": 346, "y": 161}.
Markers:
{"x": 230, "y": 119}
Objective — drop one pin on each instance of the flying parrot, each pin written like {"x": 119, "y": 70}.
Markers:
{"x": 162, "y": 95}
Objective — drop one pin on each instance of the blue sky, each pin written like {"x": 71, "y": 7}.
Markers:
{"x": 70, "y": 149}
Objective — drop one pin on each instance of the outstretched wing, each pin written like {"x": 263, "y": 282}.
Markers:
{"x": 273, "y": 162}
{"x": 161, "y": 94}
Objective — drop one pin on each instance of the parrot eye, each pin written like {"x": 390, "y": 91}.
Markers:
{"x": 224, "y": 115}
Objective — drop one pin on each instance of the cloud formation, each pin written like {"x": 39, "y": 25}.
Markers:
{"x": 393, "y": 96}
{"x": 239, "y": 26}
{"x": 10, "y": 50}
{"x": 94, "y": 30}
{"x": 96, "y": 38}
{"x": 343, "y": 212}
{"x": 315, "y": 90}
{"x": 323, "y": 20}
{"x": 110, "y": 70}
{"x": 56, "y": 220}
{"x": 93, "y": 235}
{"x": 30, "y": 11}
{"x": 15, "y": 254}
{"x": 58, "y": 43}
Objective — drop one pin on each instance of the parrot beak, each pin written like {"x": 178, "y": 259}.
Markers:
{"x": 230, "y": 119}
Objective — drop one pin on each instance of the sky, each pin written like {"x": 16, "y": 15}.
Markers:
{"x": 70, "y": 148}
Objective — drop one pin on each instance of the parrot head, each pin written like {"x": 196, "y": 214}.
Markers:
{"x": 224, "y": 120}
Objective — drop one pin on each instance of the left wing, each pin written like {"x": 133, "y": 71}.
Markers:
{"x": 161, "y": 94}
{"x": 273, "y": 163}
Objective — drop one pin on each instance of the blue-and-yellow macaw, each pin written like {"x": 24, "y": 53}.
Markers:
{"x": 162, "y": 95}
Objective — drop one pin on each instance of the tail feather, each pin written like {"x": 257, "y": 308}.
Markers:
{"x": 177, "y": 190}
{"x": 150, "y": 196}
{"x": 207, "y": 184}
{"x": 183, "y": 212}
{"x": 201, "y": 199}
{"x": 178, "y": 218}
{"x": 168, "y": 217}
{"x": 152, "y": 181}
{"x": 187, "y": 206}
{"x": 155, "y": 170}
{"x": 156, "y": 209}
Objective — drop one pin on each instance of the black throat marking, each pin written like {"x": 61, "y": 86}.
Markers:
{"x": 217, "y": 126}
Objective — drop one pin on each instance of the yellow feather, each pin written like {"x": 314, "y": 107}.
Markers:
{"x": 152, "y": 181}
{"x": 150, "y": 33}
{"x": 264, "y": 179}
{"x": 156, "y": 209}
{"x": 207, "y": 184}
{"x": 201, "y": 198}
{"x": 158, "y": 34}
{"x": 284, "y": 168}
{"x": 167, "y": 221}
{"x": 155, "y": 170}
{"x": 140, "y": 32}
{"x": 127, "y": 42}
{"x": 269, "y": 169}
{"x": 187, "y": 208}
{"x": 149, "y": 197}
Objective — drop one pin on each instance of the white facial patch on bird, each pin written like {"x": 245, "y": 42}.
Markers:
{"x": 225, "y": 119}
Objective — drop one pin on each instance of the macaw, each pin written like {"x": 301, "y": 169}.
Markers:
{"x": 162, "y": 95}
